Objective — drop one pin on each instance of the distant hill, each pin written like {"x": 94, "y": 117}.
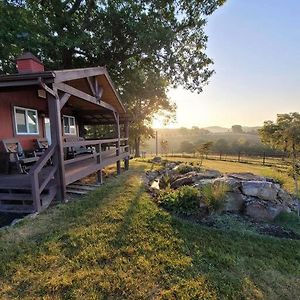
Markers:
{"x": 217, "y": 129}
{"x": 249, "y": 129}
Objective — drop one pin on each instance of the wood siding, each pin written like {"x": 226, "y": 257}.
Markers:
{"x": 26, "y": 98}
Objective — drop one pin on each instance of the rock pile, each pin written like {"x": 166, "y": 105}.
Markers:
{"x": 258, "y": 197}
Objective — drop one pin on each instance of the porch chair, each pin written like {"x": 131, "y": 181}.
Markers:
{"x": 75, "y": 150}
{"x": 41, "y": 145}
{"x": 16, "y": 156}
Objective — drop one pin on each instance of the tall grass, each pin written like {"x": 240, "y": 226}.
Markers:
{"x": 280, "y": 177}
{"x": 214, "y": 196}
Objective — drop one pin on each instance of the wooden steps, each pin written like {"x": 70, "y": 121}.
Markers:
{"x": 19, "y": 199}
{"x": 80, "y": 189}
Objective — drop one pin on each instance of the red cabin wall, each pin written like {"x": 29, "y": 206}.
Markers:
{"x": 24, "y": 98}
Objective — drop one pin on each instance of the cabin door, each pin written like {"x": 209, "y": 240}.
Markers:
{"x": 47, "y": 130}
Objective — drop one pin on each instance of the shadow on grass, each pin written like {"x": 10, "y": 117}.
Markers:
{"x": 168, "y": 256}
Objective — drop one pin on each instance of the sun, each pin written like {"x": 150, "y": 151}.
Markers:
{"x": 158, "y": 122}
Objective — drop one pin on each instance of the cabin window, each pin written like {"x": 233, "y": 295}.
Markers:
{"x": 69, "y": 125}
{"x": 26, "y": 120}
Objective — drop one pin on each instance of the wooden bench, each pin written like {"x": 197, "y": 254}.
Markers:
{"x": 75, "y": 150}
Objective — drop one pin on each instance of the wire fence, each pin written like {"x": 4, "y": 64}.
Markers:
{"x": 261, "y": 159}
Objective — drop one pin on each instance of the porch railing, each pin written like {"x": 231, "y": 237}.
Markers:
{"x": 38, "y": 187}
{"x": 105, "y": 152}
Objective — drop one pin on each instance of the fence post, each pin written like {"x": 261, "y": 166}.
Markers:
{"x": 264, "y": 158}
{"x": 239, "y": 156}
{"x": 220, "y": 155}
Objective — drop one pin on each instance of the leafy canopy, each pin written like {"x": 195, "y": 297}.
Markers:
{"x": 147, "y": 45}
{"x": 284, "y": 134}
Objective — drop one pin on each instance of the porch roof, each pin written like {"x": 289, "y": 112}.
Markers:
{"x": 76, "y": 78}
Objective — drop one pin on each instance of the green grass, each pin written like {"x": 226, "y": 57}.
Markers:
{"x": 116, "y": 243}
{"x": 290, "y": 221}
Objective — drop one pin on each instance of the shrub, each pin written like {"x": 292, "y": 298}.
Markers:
{"x": 214, "y": 196}
{"x": 164, "y": 182}
{"x": 183, "y": 200}
{"x": 185, "y": 168}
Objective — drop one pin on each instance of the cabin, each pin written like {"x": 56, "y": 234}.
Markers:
{"x": 44, "y": 116}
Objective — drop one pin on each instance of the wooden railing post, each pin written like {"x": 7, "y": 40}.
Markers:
{"x": 126, "y": 132}
{"x": 116, "y": 115}
{"x": 99, "y": 160}
{"x": 56, "y": 139}
{"x": 35, "y": 189}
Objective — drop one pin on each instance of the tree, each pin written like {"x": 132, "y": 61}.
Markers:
{"x": 237, "y": 129}
{"x": 284, "y": 135}
{"x": 147, "y": 46}
{"x": 203, "y": 149}
{"x": 221, "y": 146}
{"x": 187, "y": 147}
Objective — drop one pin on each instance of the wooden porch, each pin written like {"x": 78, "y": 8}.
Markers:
{"x": 89, "y": 96}
{"x": 17, "y": 192}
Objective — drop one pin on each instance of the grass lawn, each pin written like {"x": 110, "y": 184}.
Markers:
{"x": 116, "y": 244}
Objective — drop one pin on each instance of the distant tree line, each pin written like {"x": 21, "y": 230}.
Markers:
{"x": 231, "y": 147}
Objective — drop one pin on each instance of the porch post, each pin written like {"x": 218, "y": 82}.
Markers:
{"x": 80, "y": 128}
{"x": 126, "y": 133}
{"x": 56, "y": 139}
{"x": 117, "y": 118}
{"x": 99, "y": 161}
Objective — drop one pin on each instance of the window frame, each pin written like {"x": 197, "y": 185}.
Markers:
{"x": 26, "y": 120}
{"x": 74, "y": 119}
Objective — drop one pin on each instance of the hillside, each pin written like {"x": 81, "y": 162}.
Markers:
{"x": 176, "y": 137}
{"x": 116, "y": 243}
{"x": 217, "y": 129}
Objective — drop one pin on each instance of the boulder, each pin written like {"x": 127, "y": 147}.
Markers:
{"x": 193, "y": 177}
{"x": 261, "y": 210}
{"x": 157, "y": 159}
{"x": 199, "y": 184}
{"x": 186, "y": 179}
{"x": 260, "y": 189}
{"x": 234, "y": 202}
{"x": 151, "y": 175}
{"x": 246, "y": 177}
{"x": 233, "y": 184}
{"x": 154, "y": 188}
{"x": 171, "y": 165}
{"x": 207, "y": 174}
{"x": 285, "y": 197}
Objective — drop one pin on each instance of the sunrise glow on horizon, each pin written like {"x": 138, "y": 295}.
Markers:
{"x": 256, "y": 78}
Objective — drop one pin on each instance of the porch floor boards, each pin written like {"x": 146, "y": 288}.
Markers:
{"x": 20, "y": 181}
{"x": 73, "y": 172}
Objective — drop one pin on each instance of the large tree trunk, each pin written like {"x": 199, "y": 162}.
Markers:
{"x": 137, "y": 142}
{"x": 67, "y": 58}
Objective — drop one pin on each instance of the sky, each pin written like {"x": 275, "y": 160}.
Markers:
{"x": 255, "y": 46}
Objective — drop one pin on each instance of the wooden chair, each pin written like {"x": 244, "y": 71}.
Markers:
{"x": 16, "y": 156}
{"x": 75, "y": 150}
{"x": 41, "y": 145}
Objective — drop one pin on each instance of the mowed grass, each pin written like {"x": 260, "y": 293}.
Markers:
{"x": 116, "y": 243}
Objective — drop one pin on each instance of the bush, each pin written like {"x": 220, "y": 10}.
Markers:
{"x": 185, "y": 168}
{"x": 214, "y": 196}
{"x": 183, "y": 200}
